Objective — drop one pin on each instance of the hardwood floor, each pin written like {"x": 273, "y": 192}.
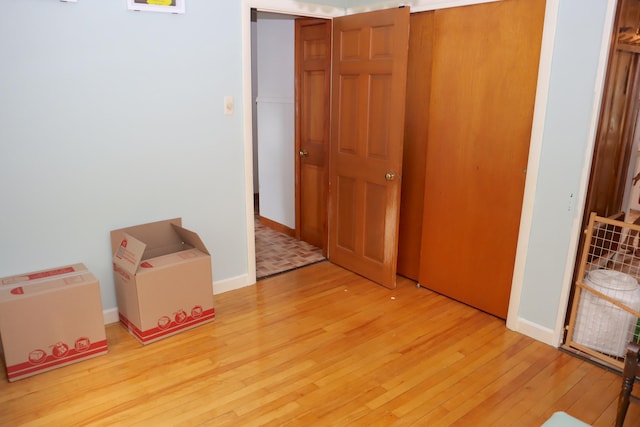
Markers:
{"x": 322, "y": 346}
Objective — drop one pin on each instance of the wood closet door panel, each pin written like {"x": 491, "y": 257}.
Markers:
{"x": 416, "y": 128}
{"x": 484, "y": 76}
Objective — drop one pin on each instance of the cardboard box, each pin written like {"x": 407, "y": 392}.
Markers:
{"x": 49, "y": 319}
{"x": 163, "y": 279}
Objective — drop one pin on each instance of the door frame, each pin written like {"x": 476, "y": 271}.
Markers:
{"x": 289, "y": 8}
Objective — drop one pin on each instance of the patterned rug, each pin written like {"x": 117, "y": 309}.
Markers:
{"x": 276, "y": 252}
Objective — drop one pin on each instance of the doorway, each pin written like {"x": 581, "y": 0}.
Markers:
{"x": 278, "y": 247}
{"x": 386, "y": 93}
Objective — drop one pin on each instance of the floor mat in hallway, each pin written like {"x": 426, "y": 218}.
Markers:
{"x": 276, "y": 252}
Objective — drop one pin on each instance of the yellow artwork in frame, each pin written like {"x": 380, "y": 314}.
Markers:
{"x": 170, "y": 6}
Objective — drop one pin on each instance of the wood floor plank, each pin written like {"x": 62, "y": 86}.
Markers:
{"x": 587, "y": 394}
{"x": 489, "y": 402}
{"x": 322, "y": 346}
{"x": 439, "y": 385}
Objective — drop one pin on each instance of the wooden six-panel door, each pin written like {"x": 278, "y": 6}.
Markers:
{"x": 367, "y": 126}
{"x": 313, "y": 90}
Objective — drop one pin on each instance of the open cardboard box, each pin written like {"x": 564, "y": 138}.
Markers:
{"x": 50, "y": 318}
{"x": 163, "y": 279}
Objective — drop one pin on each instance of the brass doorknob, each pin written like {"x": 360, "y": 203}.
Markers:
{"x": 304, "y": 153}
{"x": 389, "y": 176}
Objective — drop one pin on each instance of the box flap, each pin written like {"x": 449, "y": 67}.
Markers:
{"x": 152, "y": 265}
{"x": 190, "y": 238}
{"x": 129, "y": 254}
{"x": 159, "y": 236}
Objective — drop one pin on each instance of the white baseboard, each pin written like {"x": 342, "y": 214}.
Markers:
{"x": 535, "y": 331}
{"x": 226, "y": 285}
{"x": 110, "y": 316}
{"x": 232, "y": 283}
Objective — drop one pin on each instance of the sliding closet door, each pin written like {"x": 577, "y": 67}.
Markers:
{"x": 416, "y": 129}
{"x": 484, "y": 76}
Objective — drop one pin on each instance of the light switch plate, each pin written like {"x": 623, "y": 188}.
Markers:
{"x": 228, "y": 105}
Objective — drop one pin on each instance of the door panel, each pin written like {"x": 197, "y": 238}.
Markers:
{"x": 375, "y": 196}
{"x": 313, "y": 71}
{"x": 367, "y": 126}
{"x": 485, "y": 62}
{"x": 415, "y": 143}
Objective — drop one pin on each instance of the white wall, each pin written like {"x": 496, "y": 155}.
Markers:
{"x": 110, "y": 118}
{"x": 276, "y": 119}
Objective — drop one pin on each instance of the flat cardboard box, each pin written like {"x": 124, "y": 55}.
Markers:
{"x": 163, "y": 279}
{"x": 50, "y": 318}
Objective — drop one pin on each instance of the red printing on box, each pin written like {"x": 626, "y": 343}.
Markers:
{"x": 166, "y": 326}
{"x": 121, "y": 271}
{"x": 49, "y": 273}
{"x": 61, "y": 355}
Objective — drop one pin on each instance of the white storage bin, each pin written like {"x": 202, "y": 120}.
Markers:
{"x": 600, "y": 325}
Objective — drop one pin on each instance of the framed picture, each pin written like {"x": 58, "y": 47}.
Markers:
{"x": 170, "y": 6}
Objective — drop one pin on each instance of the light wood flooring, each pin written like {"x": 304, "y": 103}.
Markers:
{"x": 322, "y": 346}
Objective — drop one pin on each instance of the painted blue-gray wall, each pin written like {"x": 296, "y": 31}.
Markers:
{"x": 110, "y": 118}
{"x": 569, "y": 114}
